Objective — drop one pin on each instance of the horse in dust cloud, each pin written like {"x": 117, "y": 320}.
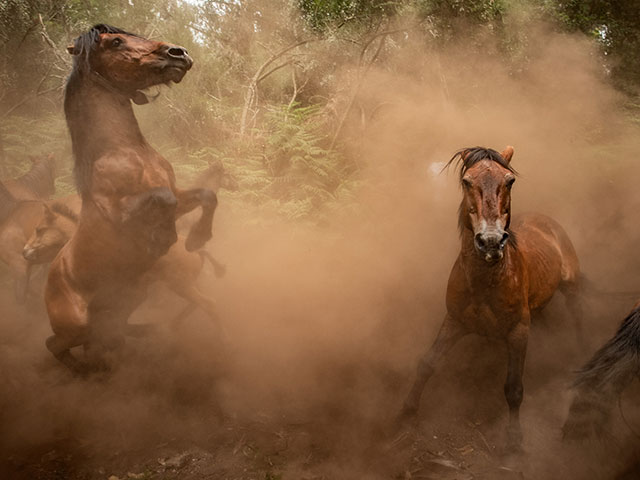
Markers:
{"x": 20, "y": 210}
{"x": 603, "y": 378}
{"x": 502, "y": 275}
{"x": 178, "y": 270}
{"x": 130, "y": 200}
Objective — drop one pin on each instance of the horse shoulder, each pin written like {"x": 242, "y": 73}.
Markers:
{"x": 119, "y": 172}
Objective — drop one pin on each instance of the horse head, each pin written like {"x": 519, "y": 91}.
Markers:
{"x": 51, "y": 234}
{"x": 127, "y": 63}
{"x": 486, "y": 177}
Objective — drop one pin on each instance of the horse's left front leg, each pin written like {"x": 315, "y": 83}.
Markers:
{"x": 200, "y": 232}
{"x": 517, "y": 347}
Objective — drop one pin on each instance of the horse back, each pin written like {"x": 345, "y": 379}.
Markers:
{"x": 548, "y": 254}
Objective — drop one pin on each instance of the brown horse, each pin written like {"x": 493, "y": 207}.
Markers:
{"x": 130, "y": 200}
{"x": 503, "y": 274}
{"x": 178, "y": 270}
{"x": 20, "y": 210}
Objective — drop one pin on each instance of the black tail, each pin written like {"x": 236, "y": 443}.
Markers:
{"x": 617, "y": 362}
{"x": 590, "y": 288}
{"x": 601, "y": 381}
{"x": 218, "y": 267}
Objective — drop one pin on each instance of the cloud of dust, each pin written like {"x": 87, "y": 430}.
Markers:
{"x": 326, "y": 324}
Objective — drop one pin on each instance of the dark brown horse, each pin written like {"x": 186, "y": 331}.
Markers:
{"x": 503, "y": 274}
{"x": 599, "y": 384}
{"x": 130, "y": 200}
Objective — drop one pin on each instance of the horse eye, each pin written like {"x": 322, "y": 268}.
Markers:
{"x": 116, "y": 42}
{"x": 510, "y": 182}
{"x": 466, "y": 183}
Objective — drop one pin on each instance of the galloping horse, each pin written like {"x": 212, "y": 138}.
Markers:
{"x": 503, "y": 274}
{"x": 130, "y": 201}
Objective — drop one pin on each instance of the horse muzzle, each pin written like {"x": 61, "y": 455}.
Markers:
{"x": 490, "y": 244}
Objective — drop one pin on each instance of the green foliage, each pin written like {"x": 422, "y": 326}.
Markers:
{"x": 323, "y": 15}
{"x": 615, "y": 25}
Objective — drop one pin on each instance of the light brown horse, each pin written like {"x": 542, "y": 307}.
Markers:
{"x": 178, "y": 270}
{"x": 20, "y": 210}
{"x": 503, "y": 274}
{"x": 130, "y": 200}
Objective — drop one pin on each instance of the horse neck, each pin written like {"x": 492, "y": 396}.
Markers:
{"x": 100, "y": 121}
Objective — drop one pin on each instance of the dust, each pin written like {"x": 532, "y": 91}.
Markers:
{"x": 323, "y": 325}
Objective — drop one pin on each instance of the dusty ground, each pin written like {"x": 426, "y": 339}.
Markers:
{"x": 161, "y": 416}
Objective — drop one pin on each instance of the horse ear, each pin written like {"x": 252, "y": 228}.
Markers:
{"x": 507, "y": 153}
{"x": 72, "y": 49}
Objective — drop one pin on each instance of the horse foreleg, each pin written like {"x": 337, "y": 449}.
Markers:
{"x": 200, "y": 232}
{"x": 513, "y": 390}
{"x": 450, "y": 332}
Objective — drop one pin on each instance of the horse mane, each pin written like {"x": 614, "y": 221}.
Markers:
{"x": 7, "y": 203}
{"x": 40, "y": 179}
{"x": 86, "y": 44}
{"x": 83, "y": 149}
{"x": 65, "y": 211}
{"x": 468, "y": 157}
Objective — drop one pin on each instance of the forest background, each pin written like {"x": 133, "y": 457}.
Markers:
{"x": 275, "y": 95}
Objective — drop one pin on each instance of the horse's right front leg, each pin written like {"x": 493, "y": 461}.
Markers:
{"x": 450, "y": 332}
{"x": 517, "y": 341}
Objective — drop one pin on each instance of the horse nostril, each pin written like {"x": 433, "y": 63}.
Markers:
{"x": 480, "y": 241}
{"x": 177, "y": 52}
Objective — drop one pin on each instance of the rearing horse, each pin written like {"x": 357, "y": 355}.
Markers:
{"x": 130, "y": 201}
{"x": 503, "y": 274}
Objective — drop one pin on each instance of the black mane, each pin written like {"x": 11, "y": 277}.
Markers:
{"x": 468, "y": 157}
{"x": 86, "y": 44}
{"x": 83, "y": 149}
{"x": 40, "y": 179}
{"x": 65, "y": 211}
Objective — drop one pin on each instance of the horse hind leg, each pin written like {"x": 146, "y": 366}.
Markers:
{"x": 61, "y": 346}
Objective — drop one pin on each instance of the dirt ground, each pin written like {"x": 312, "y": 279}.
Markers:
{"x": 181, "y": 405}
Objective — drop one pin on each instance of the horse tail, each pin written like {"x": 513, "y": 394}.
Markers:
{"x": 219, "y": 268}
{"x": 603, "y": 378}
{"x": 617, "y": 361}
{"x": 589, "y": 287}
